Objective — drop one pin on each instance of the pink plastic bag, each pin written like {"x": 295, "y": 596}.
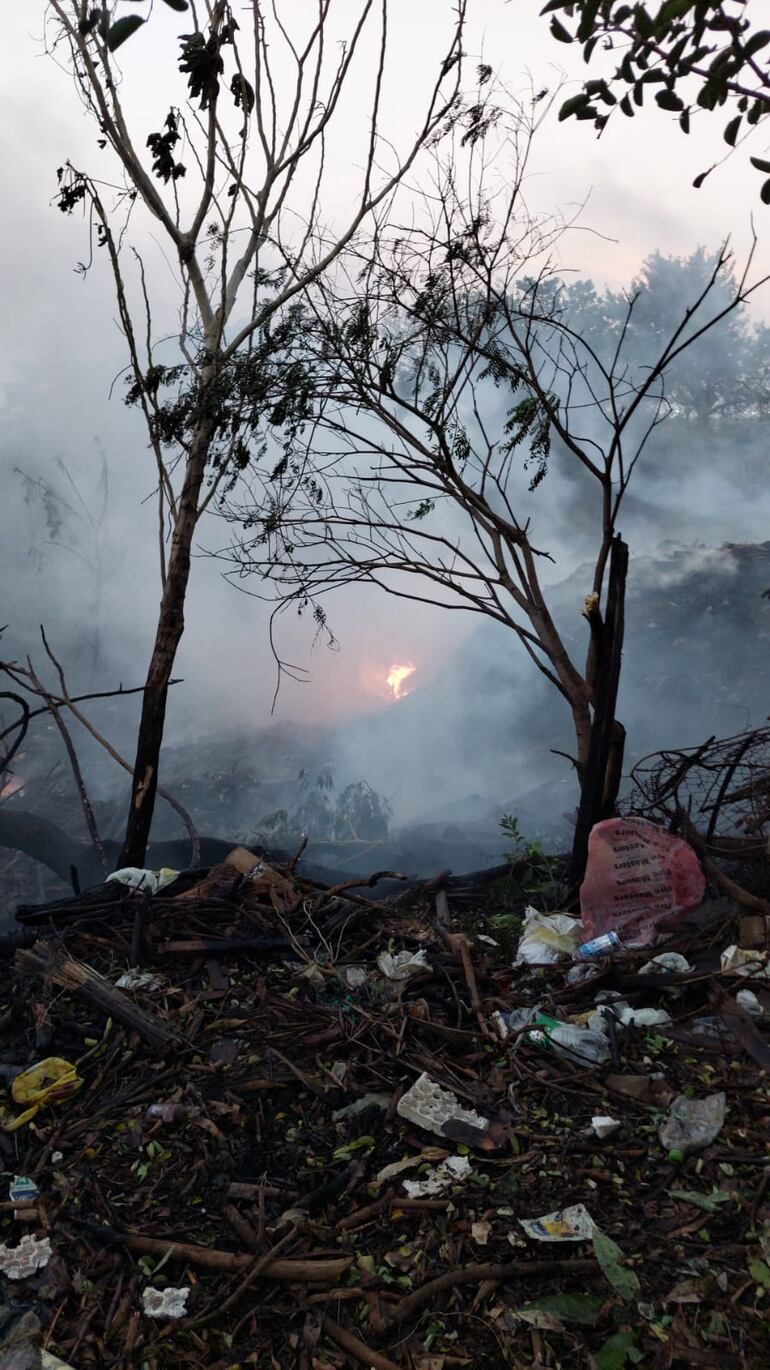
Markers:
{"x": 636, "y": 875}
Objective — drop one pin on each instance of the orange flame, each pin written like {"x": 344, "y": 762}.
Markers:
{"x": 396, "y": 677}
{"x": 12, "y": 787}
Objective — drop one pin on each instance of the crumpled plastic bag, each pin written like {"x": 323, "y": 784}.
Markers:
{"x": 668, "y": 962}
{"x": 403, "y": 965}
{"x": 49, "y": 1082}
{"x": 143, "y": 881}
{"x": 692, "y": 1124}
{"x": 745, "y": 961}
{"x": 637, "y": 875}
{"x": 547, "y": 937}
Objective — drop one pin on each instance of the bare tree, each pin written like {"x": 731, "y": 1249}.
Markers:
{"x": 232, "y": 175}
{"x": 443, "y": 371}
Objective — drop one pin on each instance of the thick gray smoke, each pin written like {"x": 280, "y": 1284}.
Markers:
{"x": 478, "y": 733}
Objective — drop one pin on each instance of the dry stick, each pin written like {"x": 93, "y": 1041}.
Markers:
{"x": 458, "y": 944}
{"x": 474, "y": 1274}
{"x": 92, "y": 987}
{"x": 262, "y": 1265}
{"x": 736, "y": 892}
{"x": 69, "y": 745}
{"x": 242, "y": 1227}
{"x": 355, "y": 1347}
{"x": 195, "y": 841}
{"x": 210, "y": 1258}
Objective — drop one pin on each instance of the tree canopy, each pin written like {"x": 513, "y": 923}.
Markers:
{"x": 688, "y": 56}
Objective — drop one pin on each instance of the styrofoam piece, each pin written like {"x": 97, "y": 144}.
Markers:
{"x": 604, "y": 1126}
{"x": 165, "y": 1303}
{"x": 19, "y": 1262}
{"x": 429, "y": 1106}
{"x": 453, "y": 1170}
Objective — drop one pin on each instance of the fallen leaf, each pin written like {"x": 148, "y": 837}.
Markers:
{"x": 687, "y": 1291}
{"x": 708, "y": 1202}
{"x": 760, "y": 1272}
{"x": 617, "y": 1352}
{"x": 580, "y": 1308}
{"x": 538, "y": 1317}
{"x": 609, "y": 1256}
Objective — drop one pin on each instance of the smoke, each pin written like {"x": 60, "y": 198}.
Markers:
{"x": 479, "y": 731}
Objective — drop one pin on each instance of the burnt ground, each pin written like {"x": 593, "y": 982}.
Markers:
{"x": 295, "y": 1248}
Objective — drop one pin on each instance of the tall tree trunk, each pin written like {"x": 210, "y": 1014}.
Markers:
{"x": 167, "y": 638}
{"x": 600, "y": 781}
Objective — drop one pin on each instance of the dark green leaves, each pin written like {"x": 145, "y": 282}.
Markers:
{"x": 122, "y": 29}
{"x": 618, "y": 1351}
{"x": 242, "y": 92}
{"x": 179, "y": 5}
{"x": 691, "y": 52}
{"x": 575, "y": 105}
{"x": 667, "y": 99}
{"x": 559, "y": 32}
{"x": 731, "y": 131}
{"x": 200, "y": 60}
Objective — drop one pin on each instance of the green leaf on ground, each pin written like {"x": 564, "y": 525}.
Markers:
{"x": 760, "y": 1272}
{"x": 582, "y": 1308}
{"x": 708, "y": 1202}
{"x": 609, "y": 1256}
{"x": 616, "y": 1352}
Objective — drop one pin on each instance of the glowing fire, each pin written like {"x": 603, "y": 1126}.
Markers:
{"x": 12, "y": 787}
{"x": 396, "y": 677}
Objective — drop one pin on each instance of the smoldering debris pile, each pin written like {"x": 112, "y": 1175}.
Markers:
{"x": 248, "y": 1120}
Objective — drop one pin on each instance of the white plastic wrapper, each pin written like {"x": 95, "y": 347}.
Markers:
{"x": 573, "y": 1224}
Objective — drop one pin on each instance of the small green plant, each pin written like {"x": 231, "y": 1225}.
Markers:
{"x": 532, "y": 871}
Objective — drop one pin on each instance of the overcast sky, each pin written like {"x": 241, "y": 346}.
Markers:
{"x": 59, "y": 347}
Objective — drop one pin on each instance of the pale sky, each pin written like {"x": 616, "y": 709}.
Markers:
{"x": 59, "y": 348}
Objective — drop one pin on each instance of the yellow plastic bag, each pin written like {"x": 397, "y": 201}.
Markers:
{"x": 49, "y": 1082}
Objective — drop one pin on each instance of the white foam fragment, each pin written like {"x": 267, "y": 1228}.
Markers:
{"x": 429, "y": 1106}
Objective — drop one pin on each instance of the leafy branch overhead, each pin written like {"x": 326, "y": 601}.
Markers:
{"x": 115, "y": 32}
{"x": 686, "y": 55}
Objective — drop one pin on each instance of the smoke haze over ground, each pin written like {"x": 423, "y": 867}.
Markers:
{"x": 78, "y": 547}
